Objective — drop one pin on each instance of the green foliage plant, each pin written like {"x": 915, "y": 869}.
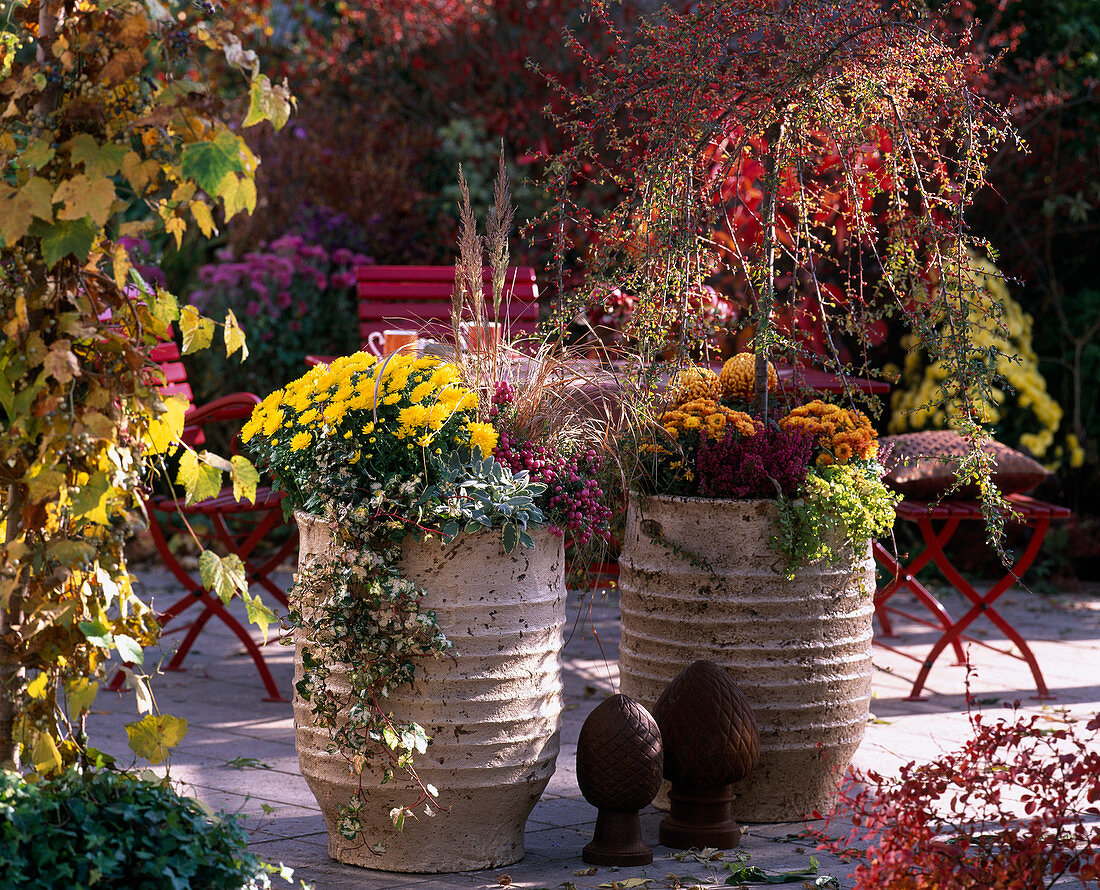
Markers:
{"x": 814, "y": 125}
{"x": 112, "y": 830}
{"x": 383, "y": 449}
{"x": 107, "y": 132}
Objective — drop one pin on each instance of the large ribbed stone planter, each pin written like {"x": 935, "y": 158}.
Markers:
{"x": 800, "y": 650}
{"x": 493, "y": 711}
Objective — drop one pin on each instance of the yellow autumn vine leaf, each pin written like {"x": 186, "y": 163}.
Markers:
{"x": 83, "y": 196}
{"x": 153, "y": 736}
{"x": 197, "y": 330}
{"x": 165, "y": 429}
{"x": 234, "y": 336}
{"x": 200, "y": 210}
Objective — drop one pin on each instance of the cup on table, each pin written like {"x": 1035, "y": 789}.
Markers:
{"x": 390, "y": 341}
{"x": 479, "y": 336}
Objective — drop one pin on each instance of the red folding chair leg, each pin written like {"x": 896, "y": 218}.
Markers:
{"x": 214, "y": 606}
{"x": 983, "y": 605}
{"x": 906, "y": 577}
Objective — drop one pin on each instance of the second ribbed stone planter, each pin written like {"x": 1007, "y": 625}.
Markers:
{"x": 800, "y": 650}
{"x": 493, "y": 710}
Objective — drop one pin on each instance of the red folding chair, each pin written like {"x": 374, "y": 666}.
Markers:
{"x": 239, "y": 527}
{"x": 419, "y": 297}
{"x": 1033, "y": 514}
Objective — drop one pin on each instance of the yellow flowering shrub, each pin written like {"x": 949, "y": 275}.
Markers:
{"x": 1021, "y": 411}
{"x": 364, "y": 420}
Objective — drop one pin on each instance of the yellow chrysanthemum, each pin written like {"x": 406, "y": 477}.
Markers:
{"x": 421, "y": 391}
{"x": 693, "y": 383}
{"x": 300, "y": 441}
{"x": 438, "y": 415}
{"x": 336, "y": 412}
{"x": 412, "y": 419}
{"x": 738, "y": 377}
{"x": 308, "y": 417}
{"x": 273, "y": 421}
{"x": 483, "y": 436}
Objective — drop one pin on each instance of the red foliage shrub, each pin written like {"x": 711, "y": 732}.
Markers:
{"x": 1014, "y": 809}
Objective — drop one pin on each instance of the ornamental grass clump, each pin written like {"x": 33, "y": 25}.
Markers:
{"x": 383, "y": 449}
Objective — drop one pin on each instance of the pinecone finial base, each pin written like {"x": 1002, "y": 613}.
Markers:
{"x": 700, "y": 817}
{"x": 617, "y": 841}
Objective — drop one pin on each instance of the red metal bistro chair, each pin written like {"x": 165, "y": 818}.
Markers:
{"x": 419, "y": 297}
{"x": 1035, "y": 515}
{"x": 239, "y": 526}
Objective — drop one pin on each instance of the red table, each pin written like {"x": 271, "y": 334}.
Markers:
{"x": 1032, "y": 513}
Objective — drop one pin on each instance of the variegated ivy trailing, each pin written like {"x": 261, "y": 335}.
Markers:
{"x": 107, "y": 131}
{"x": 381, "y": 449}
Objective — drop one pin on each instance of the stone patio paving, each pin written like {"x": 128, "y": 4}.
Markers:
{"x": 239, "y": 753}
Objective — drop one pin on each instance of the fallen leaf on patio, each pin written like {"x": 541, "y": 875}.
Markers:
{"x": 585, "y": 872}
{"x": 504, "y": 880}
{"x": 627, "y": 884}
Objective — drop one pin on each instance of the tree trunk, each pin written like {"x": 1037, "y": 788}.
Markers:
{"x": 11, "y": 668}
{"x": 764, "y": 305}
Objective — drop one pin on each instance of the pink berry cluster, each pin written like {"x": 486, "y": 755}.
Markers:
{"x": 574, "y": 500}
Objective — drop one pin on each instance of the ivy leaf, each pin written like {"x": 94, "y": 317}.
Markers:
{"x": 83, "y": 197}
{"x": 197, "y": 330}
{"x": 98, "y": 159}
{"x": 223, "y": 575}
{"x": 234, "y": 336}
{"x": 258, "y": 613}
{"x": 199, "y": 480}
{"x": 245, "y": 478}
{"x": 65, "y": 237}
{"x": 153, "y": 736}
{"x": 210, "y": 163}
{"x": 19, "y": 207}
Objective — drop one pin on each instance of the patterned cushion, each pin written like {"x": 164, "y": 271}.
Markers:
{"x": 914, "y": 470}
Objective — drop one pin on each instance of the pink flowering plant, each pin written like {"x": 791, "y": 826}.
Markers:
{"x": 573, "y": 502}
{"x": 294, "y": 297}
